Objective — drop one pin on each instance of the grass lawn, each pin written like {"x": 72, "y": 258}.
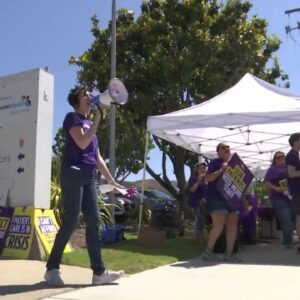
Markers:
{"x": 132, "y": 257}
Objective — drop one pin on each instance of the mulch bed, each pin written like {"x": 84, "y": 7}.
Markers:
{"x": 77, "y": 240}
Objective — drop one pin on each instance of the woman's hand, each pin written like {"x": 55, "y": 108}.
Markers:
{"x": 224, "y": 165}
{"x": 201, "y": 177}
{"x": 221, "y": 171}
{"x": 102, "y": 110}
{"x": 278, "y": 189}
{"x": 117, "y": 185}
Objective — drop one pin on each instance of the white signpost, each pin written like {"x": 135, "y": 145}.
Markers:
{"x": 26, "y": 119}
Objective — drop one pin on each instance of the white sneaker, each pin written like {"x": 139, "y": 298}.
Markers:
{"x": 107, "y": 277}
{"x": 53, "y": 278}
{"x": 209, "y": 255}
{"x": 232, "y": 257}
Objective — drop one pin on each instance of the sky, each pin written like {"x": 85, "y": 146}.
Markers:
{"x": 40, "y": 33}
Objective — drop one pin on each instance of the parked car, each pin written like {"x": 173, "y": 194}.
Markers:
{"x": 136, "y": 200}
{"x": 165, "y": 209}
{"x": 122, "y": 208}
{"x": 158, "y": 195}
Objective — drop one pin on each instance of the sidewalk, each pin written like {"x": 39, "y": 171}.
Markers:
{"x": 268, "y": 271}
{"x": 24, "y": 279}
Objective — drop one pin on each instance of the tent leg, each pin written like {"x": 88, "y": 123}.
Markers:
{"x": 200, "y": 157}
{"x": 143, "y": 182}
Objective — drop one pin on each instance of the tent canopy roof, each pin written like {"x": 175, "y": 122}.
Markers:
{"x": 254, "y": 117}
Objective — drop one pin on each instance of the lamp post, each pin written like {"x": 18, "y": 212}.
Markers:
{"x": 112, "y": 124}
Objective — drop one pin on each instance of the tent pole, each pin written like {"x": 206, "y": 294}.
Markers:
{"x": 143, "y": 182}
{"x": 200, "y": 158}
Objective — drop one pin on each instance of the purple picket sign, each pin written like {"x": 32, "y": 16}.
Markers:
{"x": 6, "y": 214}
{"x": 234, "y": 181}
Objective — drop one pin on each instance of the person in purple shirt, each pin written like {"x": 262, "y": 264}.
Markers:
{"x": 196, "y": 190}
{"x": 81, "y": 162}
{"x": 292, "y": 162}
{"x": 221, "y": 213}
{"x": 276, "y": 182}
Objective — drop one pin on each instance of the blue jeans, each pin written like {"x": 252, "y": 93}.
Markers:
{"x": 217, "y": 204}
{"x": 284, "y": 215}
{"x": 79, "y": 194}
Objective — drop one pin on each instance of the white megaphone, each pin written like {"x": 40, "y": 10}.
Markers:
{"x": 116, "y": 93}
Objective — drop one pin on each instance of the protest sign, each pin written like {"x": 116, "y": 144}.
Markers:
{"x": 20, "y": 233}
{"x": 234, "y": 181}
{"x": 5, "y": 217}
{"x": 27, "y": 232}
{"x": 47, "y": 227}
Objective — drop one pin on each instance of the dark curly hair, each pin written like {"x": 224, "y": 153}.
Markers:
{"x": 275, "y": 155}
{"x": 73, "y": 97}
{"x": 295, "y": 137}
{"x": 220, "y": 145}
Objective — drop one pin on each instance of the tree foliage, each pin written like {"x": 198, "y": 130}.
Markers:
{"x": 60, "y": 142}
{"x": 177, "y": 53}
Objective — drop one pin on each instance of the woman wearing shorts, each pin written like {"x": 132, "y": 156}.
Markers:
{"x": 221, "y": 213}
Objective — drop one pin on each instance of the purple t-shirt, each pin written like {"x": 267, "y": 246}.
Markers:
{"x": 277, "y": 175}
{"x": 215, "y": 165}
{"x": 292, "y": 159}
{"x": 74, "y": 156}
{"x": 195, "y": 197}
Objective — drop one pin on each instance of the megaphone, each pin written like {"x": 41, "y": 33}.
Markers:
{"x": 116, "y": 93}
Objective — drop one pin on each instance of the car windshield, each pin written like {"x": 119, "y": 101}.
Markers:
{"x": 157, "y": 194}
{"x": 138, "y": 195}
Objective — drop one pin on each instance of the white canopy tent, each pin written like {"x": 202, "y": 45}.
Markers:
{"x": 254, "y": 117}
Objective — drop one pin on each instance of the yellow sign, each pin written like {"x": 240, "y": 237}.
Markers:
{"x": 24, "y": 223}
{"x": 284, "y": 184}
{"x": 4, "y": 222}
{"x": 237, "y": 175}
{"x": 20, "y": 233}
{"x": 47, "y": 227}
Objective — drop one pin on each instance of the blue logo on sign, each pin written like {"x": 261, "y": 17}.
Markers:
{"x": 19, "y": 106}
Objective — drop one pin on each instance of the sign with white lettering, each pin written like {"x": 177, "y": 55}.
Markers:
{"x": 234, "y": 181}
{"x": 20, "y": 233}
{"x": 47, "y": 228}
{"x": 19, "y": 225}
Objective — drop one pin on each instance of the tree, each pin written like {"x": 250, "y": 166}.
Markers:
{"x": 178, "y": 53}
{"x": 60, "y": 142}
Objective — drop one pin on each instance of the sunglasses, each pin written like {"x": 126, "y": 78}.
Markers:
{"x": 279, "y": 156}
{"x": 223, "y": 147}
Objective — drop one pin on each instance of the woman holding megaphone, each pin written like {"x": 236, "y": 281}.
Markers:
{"x": 81, "y": 162}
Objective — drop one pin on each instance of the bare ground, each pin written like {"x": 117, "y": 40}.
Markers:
{"x": 77, "y": 240}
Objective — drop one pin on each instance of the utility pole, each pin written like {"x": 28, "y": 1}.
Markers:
{"x": 287, "y": 12}
{"x": 112, "y": 124}
{"x": 289, "y": 29}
